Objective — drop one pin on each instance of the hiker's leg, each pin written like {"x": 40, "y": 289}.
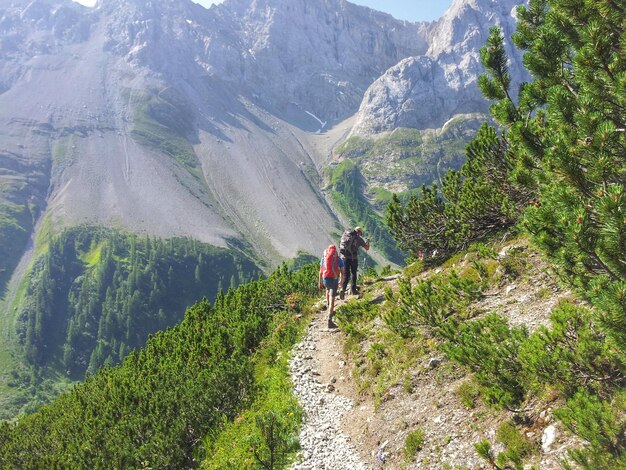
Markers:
{"x": 332, "y": 286}
{"x": 351, "y": 267}
{"x": 346, "y": 275}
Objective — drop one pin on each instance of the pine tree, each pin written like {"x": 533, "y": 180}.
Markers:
{"x": 473, "y": 203}
{"x": 568, "y": 135}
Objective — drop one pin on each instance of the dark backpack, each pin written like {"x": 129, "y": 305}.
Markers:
{"x": 348, "y": 244}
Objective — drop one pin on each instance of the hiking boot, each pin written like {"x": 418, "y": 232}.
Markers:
{"x": 355, "y": 291}
{"x": 342, "y": 294}
{"x": 331, "y": 324}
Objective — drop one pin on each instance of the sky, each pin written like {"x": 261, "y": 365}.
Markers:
{"x": 412, "y": 10}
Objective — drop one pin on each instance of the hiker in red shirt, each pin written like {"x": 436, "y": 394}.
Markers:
{"x": 330, "y": 276}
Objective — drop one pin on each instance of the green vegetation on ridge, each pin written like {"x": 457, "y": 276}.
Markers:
{"x": 96, "y": 294}
{"x": 16, "y": 224}
{"x": 167, "y": 404}
{"x": 560, "y": 161}
{"x": 162, "y": 122}
{"x": 347, "y": 195}
{"x": 412, "y": 157}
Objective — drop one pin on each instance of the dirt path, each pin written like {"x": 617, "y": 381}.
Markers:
{"x": 322, "y": 383}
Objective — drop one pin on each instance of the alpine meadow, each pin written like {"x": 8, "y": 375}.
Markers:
{"x": 168, "y": 192}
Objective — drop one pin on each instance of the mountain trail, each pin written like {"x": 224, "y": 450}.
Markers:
{"x": 354, "y": 420}
{"x": 322, "y": 382}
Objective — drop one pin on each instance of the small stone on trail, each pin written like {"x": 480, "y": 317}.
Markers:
{"x": 548, "y": 438}
{"x": 434, "y": 362}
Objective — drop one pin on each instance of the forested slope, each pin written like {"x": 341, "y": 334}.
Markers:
{"x": 92, "y": 295}
{"x": 156, "y": 409}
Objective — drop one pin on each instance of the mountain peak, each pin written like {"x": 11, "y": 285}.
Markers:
{"x": 426, "y": 91}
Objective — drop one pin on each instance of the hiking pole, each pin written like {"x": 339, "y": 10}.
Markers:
{"x": 364, "y": 269}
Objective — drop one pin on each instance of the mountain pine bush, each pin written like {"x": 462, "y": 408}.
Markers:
{"x": 472, "y": 203}
{"x": 155, "y": 409}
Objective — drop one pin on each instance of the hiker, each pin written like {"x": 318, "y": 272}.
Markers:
{"x": 330, "y": 276}
{"x": 351, "y": 240}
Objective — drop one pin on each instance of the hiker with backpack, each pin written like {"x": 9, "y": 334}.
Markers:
{"x": 330, "y": 276}
{"x": 351, "y": 241}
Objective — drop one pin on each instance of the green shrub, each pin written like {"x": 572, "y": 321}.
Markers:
{"x": 517, "y": 447}
{"x": 386, "y": 270}
{"x": 469, "y": 205}
{"x": 437, "y": 303}
{"x": 468, "y": 392}
{"x": 356, "y": 312}
{"x": 573, "y": 353}
{"x": 413, "y": 444}
{"x": 388, "y": 294}
{"x": 483, "y": 250}
{"x": 156, "y": 407}
{"x": 601, "y": 423}
{"x": 485, "y": 451}
{"x": 376, "y": 357}
{"x": 414, "y": 268}
{"x": 265, "y": 434}
{"x": 490, "y": 349}
{"x": 515, "y": 263}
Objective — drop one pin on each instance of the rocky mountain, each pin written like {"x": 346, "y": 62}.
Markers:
{"x": 164, "y": 119}
{"x": 107, "y": 111}
{"x": 425, "y": 91}
{"x": 161, "y": 116}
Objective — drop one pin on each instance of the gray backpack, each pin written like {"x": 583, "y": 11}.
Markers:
{"x": 348, "y": 244}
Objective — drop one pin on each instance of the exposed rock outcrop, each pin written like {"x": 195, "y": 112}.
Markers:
{"x": 424, "y": 91}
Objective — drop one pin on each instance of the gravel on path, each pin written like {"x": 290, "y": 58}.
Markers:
{"x": 323, "y": 444}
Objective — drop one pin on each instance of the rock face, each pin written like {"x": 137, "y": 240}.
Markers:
{"x": 425, "y": 91}
{"x": 170, "y": 119}
{"x": 166, "y": 118}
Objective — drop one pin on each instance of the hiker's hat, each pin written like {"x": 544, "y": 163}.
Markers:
{"x": 358, "y": 230}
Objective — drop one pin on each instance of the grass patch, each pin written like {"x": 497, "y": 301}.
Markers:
{"x": 413, "y": 444}
{"x": 16, "y": 225}
{"x": 515, "y": 263}
{"x": 92, "y": 257}
{"x": 382, "y": 359}
{"x": 468, "y": 392}
{"x": 160, "y": 122}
